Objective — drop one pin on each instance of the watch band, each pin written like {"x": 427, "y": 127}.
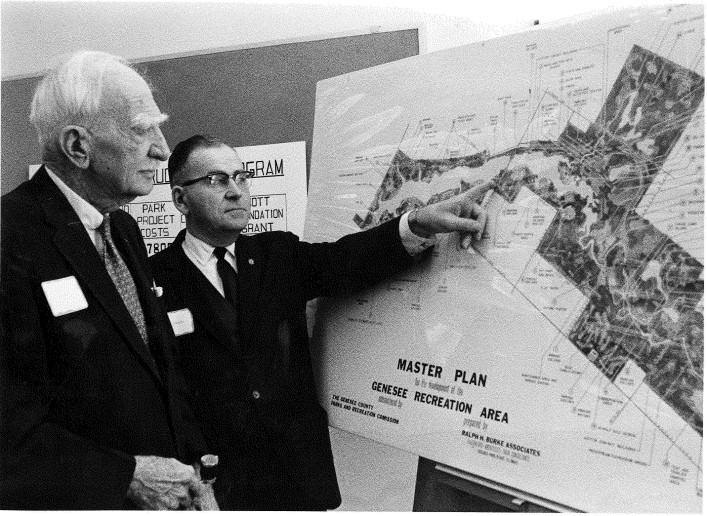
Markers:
{"x": 415, "y": 225}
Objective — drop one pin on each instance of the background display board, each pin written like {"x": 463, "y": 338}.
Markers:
{"x": 278, "y": 196}
{"x": 245, "y": 96}
{"x": 564, "y": 354}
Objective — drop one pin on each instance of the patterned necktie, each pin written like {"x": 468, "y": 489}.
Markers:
{"x": 229, "y": 278}
{"x": 123, "y": 280}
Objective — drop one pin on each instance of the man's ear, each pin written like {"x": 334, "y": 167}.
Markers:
{"x": 75, "y": 143}
{"x": 179, "y": 199}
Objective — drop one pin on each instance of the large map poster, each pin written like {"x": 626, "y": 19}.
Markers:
{"x": 563, "y": 355}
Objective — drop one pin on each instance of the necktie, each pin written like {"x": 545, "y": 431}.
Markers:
{"x": 123, "y": 280}
{"x": 229, "y": 278}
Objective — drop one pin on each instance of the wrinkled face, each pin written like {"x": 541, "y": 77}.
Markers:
{"x": 216, "y": 214}
{"x": 127, "y": 144}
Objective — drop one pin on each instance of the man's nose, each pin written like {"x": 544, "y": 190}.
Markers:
{"x": 233, "y": 189}
{"x": 159, "y": 148}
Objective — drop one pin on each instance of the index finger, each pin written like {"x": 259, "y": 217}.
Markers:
{"x": 477, "y": 192}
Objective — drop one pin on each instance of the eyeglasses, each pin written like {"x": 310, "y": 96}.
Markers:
{"x": 220, "y": 179}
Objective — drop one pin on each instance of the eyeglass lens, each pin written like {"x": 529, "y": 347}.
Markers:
{"x": 221, "y": 179}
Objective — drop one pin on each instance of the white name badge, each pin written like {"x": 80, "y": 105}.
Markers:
{"x": 182, "y": 321}
{"x": 64, "y": 296}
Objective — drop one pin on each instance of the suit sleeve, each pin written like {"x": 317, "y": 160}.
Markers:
{"x": 42, "y": 464}
{"x": 355, "y": 261}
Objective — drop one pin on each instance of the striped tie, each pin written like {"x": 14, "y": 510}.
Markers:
{"x": 123, "y": 280}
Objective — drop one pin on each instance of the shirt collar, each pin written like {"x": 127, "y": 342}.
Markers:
{"x": 202, "y": 251}
{"x": 88, "y": 214}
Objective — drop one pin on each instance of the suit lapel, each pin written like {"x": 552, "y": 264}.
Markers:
{"x": 73, "y": 242}
{"x": 204, "y": 301}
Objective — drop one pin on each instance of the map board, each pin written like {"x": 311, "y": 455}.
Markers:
{"x": 563, "y": 355}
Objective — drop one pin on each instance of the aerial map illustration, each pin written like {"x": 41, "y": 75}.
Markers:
{"x": 581, "y": 308}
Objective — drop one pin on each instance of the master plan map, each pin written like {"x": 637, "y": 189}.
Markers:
{"x": 562, "y": 355}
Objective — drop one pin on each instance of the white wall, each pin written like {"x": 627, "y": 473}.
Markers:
{"x": 140, "y": 30}
{"x": 34, "y": 34}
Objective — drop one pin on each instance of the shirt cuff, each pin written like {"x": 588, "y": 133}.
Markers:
{"x": 413, "y": 244}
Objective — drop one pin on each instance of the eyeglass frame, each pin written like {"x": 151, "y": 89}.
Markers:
{"x": 215, "y": 182}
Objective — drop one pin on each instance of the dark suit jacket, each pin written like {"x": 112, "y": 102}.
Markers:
{"x": 81, "y": 394}
{"x": 251, "y": 374}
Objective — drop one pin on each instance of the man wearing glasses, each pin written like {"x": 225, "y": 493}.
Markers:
{"x": 237, "y": 305}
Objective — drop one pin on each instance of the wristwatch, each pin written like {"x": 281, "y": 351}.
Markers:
{"x": 415, "y": 226}
{"x": 209, "y": 464}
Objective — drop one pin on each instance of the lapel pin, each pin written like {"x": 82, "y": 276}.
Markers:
{"x": 251, "y": 261}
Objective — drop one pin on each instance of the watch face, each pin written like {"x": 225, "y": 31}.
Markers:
{"x": 209, "y": 460}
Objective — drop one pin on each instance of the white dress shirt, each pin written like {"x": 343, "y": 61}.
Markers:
{"x": 89, "y": 216}
{"x": 202, "y": 255}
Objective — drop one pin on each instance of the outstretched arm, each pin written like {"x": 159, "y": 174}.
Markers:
{"x": 463, "y": 213}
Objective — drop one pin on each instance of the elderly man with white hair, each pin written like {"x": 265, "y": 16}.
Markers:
{"x": 92, "y": 414}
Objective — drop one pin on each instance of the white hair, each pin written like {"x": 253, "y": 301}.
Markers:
{"x": 71, "y": 94}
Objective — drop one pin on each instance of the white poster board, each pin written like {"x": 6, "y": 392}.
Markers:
{"x": 564, "y": 355}
{"x": 278, "y": 195}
